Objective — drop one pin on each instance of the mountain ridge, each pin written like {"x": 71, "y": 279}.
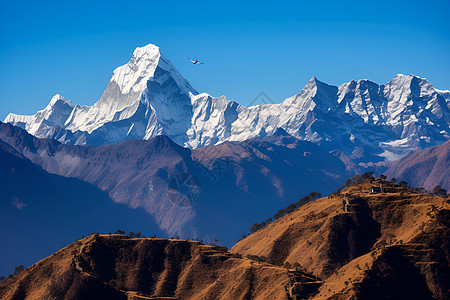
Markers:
{"x": 148, "y": 97}
{"x": 117, "y": 267}
{"x": 227, "y": 179}
{"x": 425, "y": 168}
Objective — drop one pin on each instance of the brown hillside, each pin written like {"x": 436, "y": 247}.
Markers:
{"x": 364, "y": 246}
{"x": 118, "y": 267}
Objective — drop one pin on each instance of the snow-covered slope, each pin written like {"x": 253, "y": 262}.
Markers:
{"x": 147, "y": 97}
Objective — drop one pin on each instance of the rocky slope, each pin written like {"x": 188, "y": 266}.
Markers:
{"x": 205, "y": 192}
{"x": 425, "y": 168}
{"x": 116, "y": 267}
{"x": 367, "y": 122}
{"x": 391, "y": 245}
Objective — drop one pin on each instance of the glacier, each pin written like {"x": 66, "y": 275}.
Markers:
{"x": 147, "y": 97}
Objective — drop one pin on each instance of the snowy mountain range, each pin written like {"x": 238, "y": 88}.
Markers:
{"x": 360, "y": 120}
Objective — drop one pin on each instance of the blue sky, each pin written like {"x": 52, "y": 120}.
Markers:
{"x": 72, "y": 47}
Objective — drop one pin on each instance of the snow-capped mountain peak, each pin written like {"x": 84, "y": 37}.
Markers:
{"x": 419, "y": 86}
{"x": 59, "y": 99}
{"x": 134, "y": 74}
{"x": 142, "y": 66}
{"x": 54, "y": 114}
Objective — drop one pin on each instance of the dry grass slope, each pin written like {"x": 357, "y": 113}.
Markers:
{"x": 365, "y": 246}
{"x": 117, "y": 267}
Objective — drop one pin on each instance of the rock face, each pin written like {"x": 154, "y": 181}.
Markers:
{"x": 205, "y": 192}
{"x": 116, "y": 267}
{"x": 424, "y": 168}
{"x": 147, "y": 97}
{"x": 391, "y": 245}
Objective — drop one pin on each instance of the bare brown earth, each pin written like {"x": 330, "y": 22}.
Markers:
{"x": 118, "y": 267}
{"x": 392, "y": 245}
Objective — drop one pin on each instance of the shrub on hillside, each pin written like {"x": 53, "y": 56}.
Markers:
{"x": 437, "y": 190}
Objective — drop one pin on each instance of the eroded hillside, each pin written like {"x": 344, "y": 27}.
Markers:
{"x": 118, "y": 267}
{"x": 364, "y": 244}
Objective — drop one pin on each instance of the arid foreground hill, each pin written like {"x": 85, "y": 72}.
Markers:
{"x": 118, "y": 267}
{"x": 359, "y": 243}
{"x": 364, "y": 245}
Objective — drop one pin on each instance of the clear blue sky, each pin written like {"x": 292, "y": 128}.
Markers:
{"x": 72, "y": 47}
